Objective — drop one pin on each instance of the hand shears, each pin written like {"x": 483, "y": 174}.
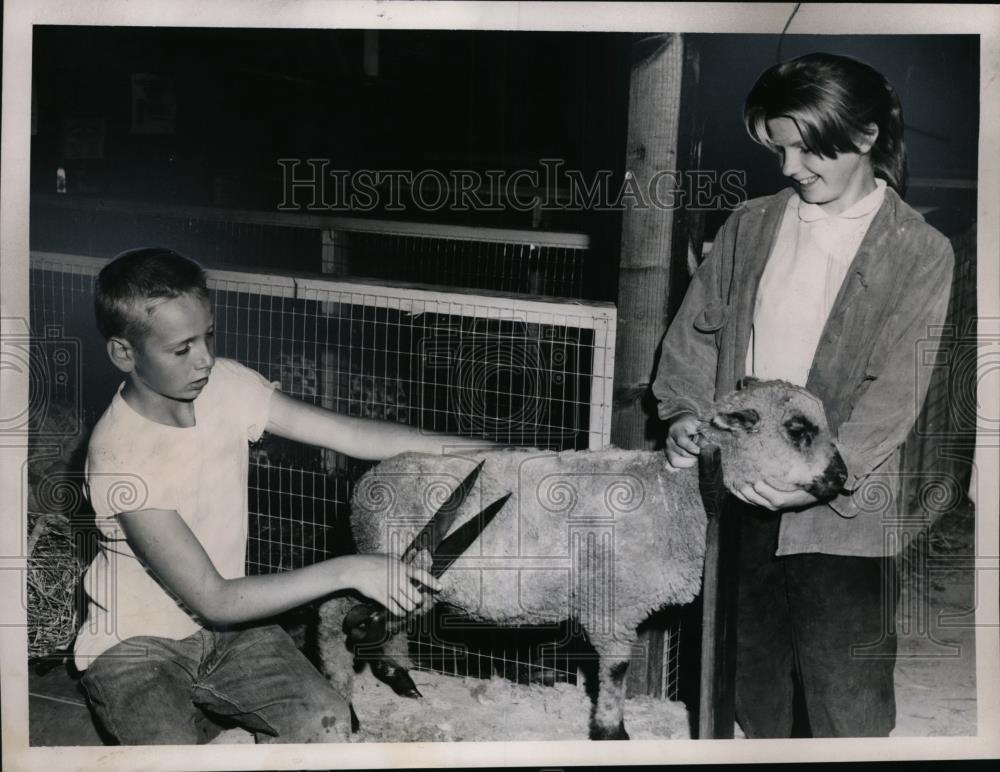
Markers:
{"x": 372, "y": 623}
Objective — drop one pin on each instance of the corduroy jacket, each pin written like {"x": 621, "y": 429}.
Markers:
{"x": 871, "y": 367}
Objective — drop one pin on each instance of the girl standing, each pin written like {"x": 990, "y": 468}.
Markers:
{"x": 835, "y": 284}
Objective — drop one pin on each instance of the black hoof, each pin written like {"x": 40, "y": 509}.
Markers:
{"x": 606, "y": 733}
{"x": 355, "y": 724}
{"x": 409, "y": 690}
{"x": 397, "y": 678}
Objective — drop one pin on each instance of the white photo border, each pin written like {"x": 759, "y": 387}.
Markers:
{"x": 767, "y": 18}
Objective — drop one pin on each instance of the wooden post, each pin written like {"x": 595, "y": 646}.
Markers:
{"x": 654, "y": 135}
{"x": 716, "y": 703}
{"x": 656, "y": 138}
{"x": 369, "y": 56}
{"x": 647, "y": 227}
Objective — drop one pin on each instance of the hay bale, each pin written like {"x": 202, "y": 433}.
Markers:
{"x": 54, "y": 497}
{"x": 52, "y": 578}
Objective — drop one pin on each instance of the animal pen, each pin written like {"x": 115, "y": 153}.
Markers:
{"x": 507, "y": 360}
{"x": 521, "y": 370}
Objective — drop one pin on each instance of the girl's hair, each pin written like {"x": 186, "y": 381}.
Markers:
{"x": 832, "y": 99}
{"x": 127, "y": 284}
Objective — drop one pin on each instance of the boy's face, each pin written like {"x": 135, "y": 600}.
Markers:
{"x": 175, "y": 358}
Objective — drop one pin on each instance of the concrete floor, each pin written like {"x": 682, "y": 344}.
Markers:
{"x": 57, "y": 711}
{"x": 935, "y": 694}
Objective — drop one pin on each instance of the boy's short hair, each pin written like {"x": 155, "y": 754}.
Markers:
{"x": 136, "y": 276}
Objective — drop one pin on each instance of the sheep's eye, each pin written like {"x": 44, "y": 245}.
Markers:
{"x": 801, "y": 431}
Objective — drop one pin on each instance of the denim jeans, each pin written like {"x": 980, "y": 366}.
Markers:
{"x": 156, "y": 691}
{"x": 823, "y": 624}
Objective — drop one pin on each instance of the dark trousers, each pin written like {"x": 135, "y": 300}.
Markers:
{"x": 827, "y": 619}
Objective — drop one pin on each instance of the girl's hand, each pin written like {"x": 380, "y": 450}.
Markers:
{"x": 394, "y": 584}
{"x": 682, "y": 450}
{"x": 761, "y": 494}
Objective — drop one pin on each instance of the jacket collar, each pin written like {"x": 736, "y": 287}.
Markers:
{"x": 890, "y": 217}
{"x": 768, "y": 211}
{"x": 862, "y": 207}
{"x": 757, "y": 230}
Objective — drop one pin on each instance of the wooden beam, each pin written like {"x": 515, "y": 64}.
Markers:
{"x": 654, "y": 136}
{"x": 657, "y": 139}
{"x": 370, "y": 54}
{"x": 296, "y": 219}
{"x": 720, "y": 589}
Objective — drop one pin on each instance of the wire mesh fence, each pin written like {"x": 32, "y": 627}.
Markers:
{"x": 532, "y": 263}
{"x": 215, "y": 237}
{"x": 544, "y": 654}
{"x": 508, "y": 369}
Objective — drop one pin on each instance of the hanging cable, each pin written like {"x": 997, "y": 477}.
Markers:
{"x": 781, "y": 37}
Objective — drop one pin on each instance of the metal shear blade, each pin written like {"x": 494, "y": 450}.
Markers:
{"x": 369, "y": 622}
{"x": 449, "y": 550}
{"x": 429, "y": 537}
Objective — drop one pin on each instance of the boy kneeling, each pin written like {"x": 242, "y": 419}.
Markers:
{"x": 170, "y": 638}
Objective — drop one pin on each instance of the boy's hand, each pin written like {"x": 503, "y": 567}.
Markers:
{"x": 681, "y": 449}
{"x": 391, "y": 582}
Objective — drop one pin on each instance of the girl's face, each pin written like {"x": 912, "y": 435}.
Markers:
{"x": 834, "y": 184}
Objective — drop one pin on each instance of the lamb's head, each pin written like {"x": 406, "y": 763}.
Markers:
{"x": 776, "y": 432}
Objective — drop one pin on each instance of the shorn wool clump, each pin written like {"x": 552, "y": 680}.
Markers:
{"x": 602, "y": 538}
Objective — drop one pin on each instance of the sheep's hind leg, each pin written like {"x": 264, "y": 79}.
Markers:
{"x": 388, "y": 661}
{"x": 390, "y": 664}
{"x": 337, "y": 661}
{"x": 607, "y": 720}
{"x": 335, "y": 656}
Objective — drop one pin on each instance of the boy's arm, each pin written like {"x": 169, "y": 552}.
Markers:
{"x": 163, "y": 542}
{"x": 362, "y": 438}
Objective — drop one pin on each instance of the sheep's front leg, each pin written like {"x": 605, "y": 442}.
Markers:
{"x": 608, "y": 719}
{"x": 607, "y": 722}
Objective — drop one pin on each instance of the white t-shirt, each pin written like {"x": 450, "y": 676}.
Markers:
{"x": 201, "y": 472}
{"x": 800, "y": 283}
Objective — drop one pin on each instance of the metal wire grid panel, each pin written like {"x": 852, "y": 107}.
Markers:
{"x": 536, "y": 264}
{"x": 545, "y": 654}
{"x": 496, "y": 259}
{"x": 542, "y": 655}
{"x": 522, "y": 372}
{"x": 216, "y": 237}
{"x": 518, "y": 371}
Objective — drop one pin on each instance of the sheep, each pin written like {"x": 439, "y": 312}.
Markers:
{"x": 602, "y": 538}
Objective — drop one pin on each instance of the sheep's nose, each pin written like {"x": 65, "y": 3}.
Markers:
{"x": 831, "y": 482}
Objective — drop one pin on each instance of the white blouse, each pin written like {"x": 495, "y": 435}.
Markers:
{"x": 800, "y": 283}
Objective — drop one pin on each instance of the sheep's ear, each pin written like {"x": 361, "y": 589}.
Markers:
{"x": 738, "y": 420}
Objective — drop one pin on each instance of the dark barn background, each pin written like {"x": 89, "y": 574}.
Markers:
{"x": 445, "y": 100}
